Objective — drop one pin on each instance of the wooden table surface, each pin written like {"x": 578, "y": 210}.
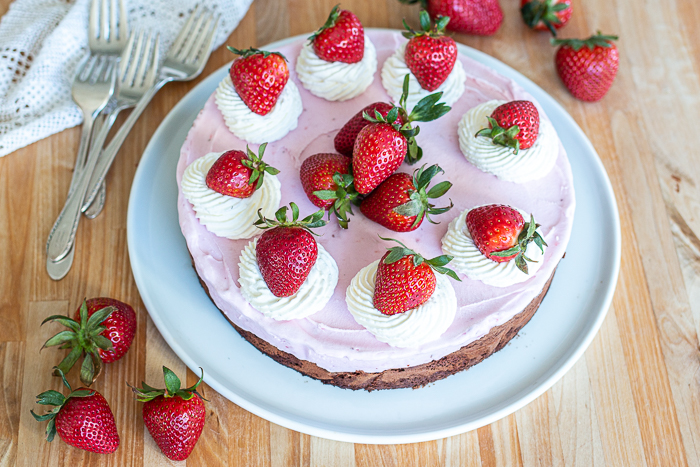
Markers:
{"x": 632, "y": 400}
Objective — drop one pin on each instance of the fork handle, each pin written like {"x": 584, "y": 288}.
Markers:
{"x": 62, "y": 235}
{"x": 110, "y": 152}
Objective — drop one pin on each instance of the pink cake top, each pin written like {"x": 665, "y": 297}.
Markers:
{"x": 331, "y": 338}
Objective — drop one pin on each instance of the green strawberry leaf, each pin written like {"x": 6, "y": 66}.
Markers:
{"x": 99, "y": 316}
{"x": 172, "y": 382}
{"x": 60, "y": 338}
{"x": 64, "y": 320}
{"x": 50, "y": 397}
{"x": 439, "y": 189}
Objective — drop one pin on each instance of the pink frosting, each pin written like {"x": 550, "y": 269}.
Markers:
{"x": 331, "y": 338}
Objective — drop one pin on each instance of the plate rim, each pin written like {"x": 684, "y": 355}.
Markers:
{"x": 430, "y": 434}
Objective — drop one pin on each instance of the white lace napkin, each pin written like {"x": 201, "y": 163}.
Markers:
{"x": 42, "y": 42}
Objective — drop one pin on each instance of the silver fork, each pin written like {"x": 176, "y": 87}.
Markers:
{"x": 92, "y": 89}
{"x": 108, "y": 33}
{"x": 185, "y": 61}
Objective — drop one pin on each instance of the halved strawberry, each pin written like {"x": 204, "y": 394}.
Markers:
{"x": 341, "y": 38}
{"x": 501, "y": 233}
{"x": 542, "y": 15}
{"x": 259, "y": 77}
{"x": 430, "y": 55}
{"x": 102, "y": 331}
{"x": 238, "y": 174}
{"x": 514, "y": 125}
{"x": 328, "y": 184}
{"x": 287, "y": 251}
{"x": 405, "y": 279}
{"x": 401, "y": 202}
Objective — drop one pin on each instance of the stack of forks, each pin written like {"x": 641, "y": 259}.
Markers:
{"x": 121, "y": 71}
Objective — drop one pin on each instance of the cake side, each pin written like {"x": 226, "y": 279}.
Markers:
{"x": 411, "y": 377}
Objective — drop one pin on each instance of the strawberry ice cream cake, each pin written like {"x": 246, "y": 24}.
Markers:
{"x": 334, "y": 331}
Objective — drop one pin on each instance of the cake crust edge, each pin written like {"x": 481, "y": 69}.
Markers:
{"x": 399, "y": 378}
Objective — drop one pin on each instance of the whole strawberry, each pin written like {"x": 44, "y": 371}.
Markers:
{"x": 288, "y": 250}
{"x": 340, "y": 39}
{"x": 102, "y": 330}
{"x": 501, "y": 234}
{"x": 514, "y": 125}
{"x": 259, "y": 77}
{"x": 174, "y": 417}
{"x": 587, "y": 67}
{"x": 401, "y": 202}
{"x": 405, "y": 279}
{"x": 238, "y": 174}
{"x": 82, "y": 419}
{"x": 430, "y": 55}
{"x": 478, "y": 17}
{"x": 345, "y": 139}
{"x": 542, "y": 15}
{"x": 328, "y": 184}
{"x": 385, "y": 142}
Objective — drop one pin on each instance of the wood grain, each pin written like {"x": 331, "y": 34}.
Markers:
{"x": 633, "y": 400}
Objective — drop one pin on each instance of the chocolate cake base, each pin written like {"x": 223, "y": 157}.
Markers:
{"x": 411, "y": 377}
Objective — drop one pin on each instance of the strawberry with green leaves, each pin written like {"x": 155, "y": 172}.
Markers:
{"x": 238, "y": 174}
{"x": 429, "y": 54}
{"x": 406, "y": 280}
{"x": 102, "y": 331}
{"x": 501, "y": 234}
{"x": 402, "y": 201}
{"x": 173, "y": 416}
{"x": 340, "y": 39}
{"x": 82, "y": 419}
{"x": 587, "y": 67}
{"x": 287, "y": 250}
{"x": 478, "y": 17}
{"x": 543, "y": 15}
{"x": 259, "y": 76}
{"x": 328, "y": 184}
{"x": 382, "y": 145}
{"x": 514, "y": 125}
{"x": 344, "y": 141}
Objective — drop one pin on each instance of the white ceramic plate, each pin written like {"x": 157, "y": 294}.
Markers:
{"x": 544, "y": 350}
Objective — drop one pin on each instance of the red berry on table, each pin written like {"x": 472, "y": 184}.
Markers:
{"x": 238, "y": 174}
{"x": 345, "y": 139}
{"x": 173, "y": 416}
{"x": 502, "y": 235}
{"x": 514, "y": 125}
{"x": 327, "y": 183}
{"x": 429, "y": 54}
{"x": 402, "y": 201}
{"x": 587, "y": 67}
{"x": 82, "y": 419}
{"x": 288, "y": 250}
{"x": 542, "y": 15}
{"x": 406, "y": 280}
{"x": 259, "y": 77}
{"x": 102, "y": 330}
{"x": 340, "y": 39}
{"x": 478, "y": 17}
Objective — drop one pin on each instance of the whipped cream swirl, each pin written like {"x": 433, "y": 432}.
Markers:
{"x": 529, "y": 164}
{"x": 254, "y": 128}
{"x": 336, "y": 81}
{"x": 311, "y": 297}
{"x": 226, "y": 216}
{"x": 415, "y": 327}
{"x": 395, "y": 69}
{"x": 475, "y": 265}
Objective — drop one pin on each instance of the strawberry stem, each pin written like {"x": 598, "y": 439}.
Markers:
{"x": 245, "y": 53}
{"x": 437, "y": 264}
{"x": 596, "y": 40}
{"x": 527, "y": 235}
{"x": 172, "y": 388}
{"x": 311, "y": 221}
